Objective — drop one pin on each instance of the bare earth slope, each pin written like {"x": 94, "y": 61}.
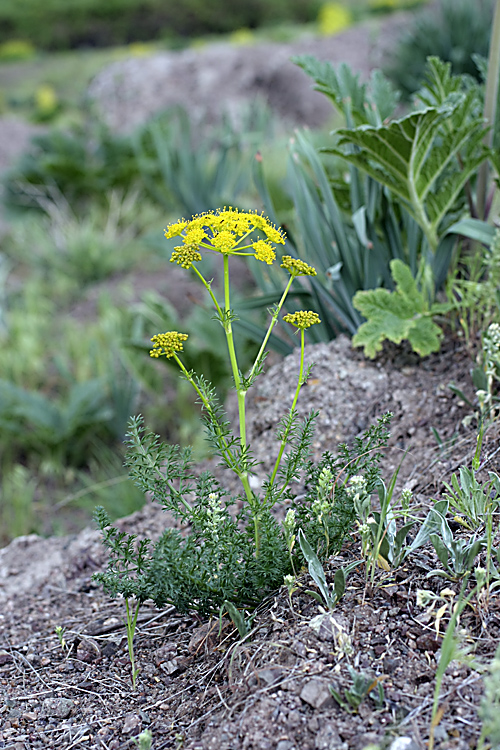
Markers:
{"x": 199, "y": 691}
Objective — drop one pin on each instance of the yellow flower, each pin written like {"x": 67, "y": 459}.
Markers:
{"x": 194, "y": 235}
{"x": 264, "y": 252}
{"x": 225, "y": 230}
{"x": 302, "y": 319}
{"x": 333, "y": 18}
{"x": 185, "y": 256}
{"x": 174, "y": 230}
{"x": 223, "y": 241}
{"x": 167, "y": 343}
{"x": 297, "y": 267}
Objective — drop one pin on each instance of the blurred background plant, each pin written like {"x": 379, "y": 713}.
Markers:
{"x": 453, "y": 30}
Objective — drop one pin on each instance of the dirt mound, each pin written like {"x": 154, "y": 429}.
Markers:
{"x": 222, "y": 78}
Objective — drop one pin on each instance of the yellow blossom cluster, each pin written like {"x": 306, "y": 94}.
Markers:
{"x": 264, "y": 252}
{"x": 185, "y": 256}
{"x": 167, "y": 343}
{"x": 297, "y": 267}
{"x": 302, "y": 319}
{"x": 224, "y": 231}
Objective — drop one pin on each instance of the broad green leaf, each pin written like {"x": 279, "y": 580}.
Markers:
{"x": 440, "y": 83}
{"x": 425, "y": 337}
{"x": 341, "y": 86}
{"x": 402, "y": 314}
{"x": 315, "y": 568}
{"x": 384, "y": 95}
{"x": 358, "y": 103}
{"x": 417, "y": 158}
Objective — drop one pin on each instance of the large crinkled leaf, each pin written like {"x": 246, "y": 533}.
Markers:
{"x": 358, "y": 102}
{"x": 392, "y": 154}
{"x": 424, "y": 158}
{"x": 399, "y": 315}
{"x": 440, "y": 84}
{"x": 340, "y": 85}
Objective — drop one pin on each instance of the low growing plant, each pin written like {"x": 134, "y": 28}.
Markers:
{"x": 233, "y": 556}
{"x": 363, "y": 686}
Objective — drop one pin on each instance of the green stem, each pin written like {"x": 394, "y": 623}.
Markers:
{"x": 273, "y": 322}
{"x": 131, "y": 626}
{"x": 490, "y": 107}
{"x": 225, "y": 451}
{"x": 208, "y": 287}
{"x": 292, "y": 409}
{"x": 243, "y": 475}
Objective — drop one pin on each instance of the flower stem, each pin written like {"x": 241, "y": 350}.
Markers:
{"x": 273, "y": 322}
{"x": 300, "y": 383}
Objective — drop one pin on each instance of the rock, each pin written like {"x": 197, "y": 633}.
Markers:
{"x": 403, "y": 743}
{"x": 132, "y": 725}
{"x": 57, "y": 708}
{"x": 29, "y": 563}
{"x": 267, "y": 675}
{"x": 5, "y": 657}
{"x": 284, "y": 745}
{"x": 328, "y": 738}
{"x": 330, "y": 627}
{"x": 317, "y": 694}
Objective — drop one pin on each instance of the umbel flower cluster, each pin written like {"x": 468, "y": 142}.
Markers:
{"x": 225, "y": 231}
{"x": 231, "y": 559}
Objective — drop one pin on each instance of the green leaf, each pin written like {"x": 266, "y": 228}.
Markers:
{"x": 441, "y": 549}
{"x": 440, "y": 84}
{"x": 357, "y": 102}
{"x": 315, "y": 568}
{"x": 339, "y": 583}
{"x": 416, "y": 158}
{"x": 474, "y": 229}
{"x": 402, "y": 314}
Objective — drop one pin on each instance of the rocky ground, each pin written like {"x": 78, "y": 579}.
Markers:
{"x": 201, "y": 689}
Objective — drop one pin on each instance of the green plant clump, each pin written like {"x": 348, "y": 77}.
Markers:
{"x": 233, "y": 558}
{"x": 65, "y": 24}
{"x": 453, "y": 30}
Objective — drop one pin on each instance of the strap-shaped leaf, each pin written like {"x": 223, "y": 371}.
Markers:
{"x": 475, "y": 229}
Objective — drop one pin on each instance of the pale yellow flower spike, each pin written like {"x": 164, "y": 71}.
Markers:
{"x": 167, "y": 343}
{"x": 302, "y": 319}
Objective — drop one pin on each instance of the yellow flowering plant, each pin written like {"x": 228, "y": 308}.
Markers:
{"x": 232, "y": 558}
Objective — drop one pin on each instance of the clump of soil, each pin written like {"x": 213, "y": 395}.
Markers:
{"x": 200, "y": 685}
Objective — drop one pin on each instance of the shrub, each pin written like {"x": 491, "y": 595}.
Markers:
{"x": 83, "y": 164}
{"x": 62, "y": 24}
{"x": 454, "y": 31}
